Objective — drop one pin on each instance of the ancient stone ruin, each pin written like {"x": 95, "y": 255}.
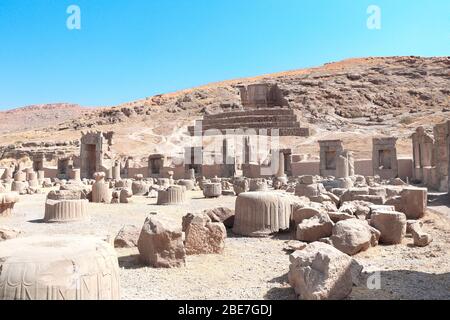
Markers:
{"x": 264, "y": 110}
{"x": 96, "y": 153}
{"x": 332, "y": 210}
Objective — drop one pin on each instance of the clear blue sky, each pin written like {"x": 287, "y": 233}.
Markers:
{"x": 130, "y": 49}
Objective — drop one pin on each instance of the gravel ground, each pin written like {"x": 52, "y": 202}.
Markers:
{"x": 249, "y": 268}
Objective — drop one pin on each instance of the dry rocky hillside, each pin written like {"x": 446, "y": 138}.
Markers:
{"x": 353, "y": 100}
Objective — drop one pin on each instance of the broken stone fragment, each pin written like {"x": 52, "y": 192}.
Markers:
{"x": 391, "y": 224}
{"x": 160, "y": 245}
{"x": 320, "y": 272}
{"x": 353, "y": 236}
{"x": 203, "y": 236}
{"x": 9, "y": 233}
{"x": 127, "y": 237}
{"x": 221, "y": 214}
{"x": 420, "y": 238}
{"x": 315, "y": 228}
{"x": 293, "y": 245}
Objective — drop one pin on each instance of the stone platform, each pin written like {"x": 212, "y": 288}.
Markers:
{"x": 270, "y": 119}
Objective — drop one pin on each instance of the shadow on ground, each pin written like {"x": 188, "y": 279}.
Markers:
{"x": 130, "y": 262}
{"x": 283, "y": 292}
{"x": 405, "y": 285}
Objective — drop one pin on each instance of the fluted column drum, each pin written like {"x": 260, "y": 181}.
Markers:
{"x": 259, "y": 214}
{"x": 212, "y": 190}
{"x": 66, "y": 210}
{"x": 58, "y": 268}
{"x": 189, "y": 184}
{"x": 172, "y": 196}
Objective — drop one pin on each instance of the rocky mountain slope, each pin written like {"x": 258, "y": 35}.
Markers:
{"x": 38, "y": 116}
{"x": 354, "y": 100}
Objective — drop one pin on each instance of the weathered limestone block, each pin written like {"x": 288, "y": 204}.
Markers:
{"x": 320, "y": 272}
{"x": 420, "y": 238}
{"x": 258, "y": 184}
{"x": 300, "y": 214}
{"x": 124, "y": 183}
{"x": 360, "y": 209}
{"x": 370, "y": 198}
{"x": 414, "y": 202}
{"x": 309, "y": 190}
{"x": 66, "y": 211}
{"x": 259, "y": 214}
{"x": 212, "y": 190}
{"x": 375, "y": 207}
{"x": 241, "y": 186}
{"x": 7, "y": 202}
{"x": 409, "y": 224}
{"x": 8, "y": 233}
{"x": 161, "y": 246}
{"x": 125, "y": 196}
{"x": 173, "y": 195}
{"x": 350, "y": 194}
{"x": 84, "y": 191}
{"x": 314, "y": 228}
{"x": 50, "y": 267}
{"x": 65, "y": 195}
{"x": 391, "y": 224}
{"x": 307, "y": 179}
{"x": 100, "y": 189}
{"x": 221, "y": 214}
{"x": 352, "y": 236}
{"x": 339, "y": 216}
{"x": 127, "y": 237}
{"x": 187, "y": 183}
{"x": 203, "y": 236}
{"x": 139, "y": 186}
{"x": 294, "y": 245}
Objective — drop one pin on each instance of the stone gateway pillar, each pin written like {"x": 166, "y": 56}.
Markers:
{"x": 95, "y": 153}
{"x": 384, "y": 157}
